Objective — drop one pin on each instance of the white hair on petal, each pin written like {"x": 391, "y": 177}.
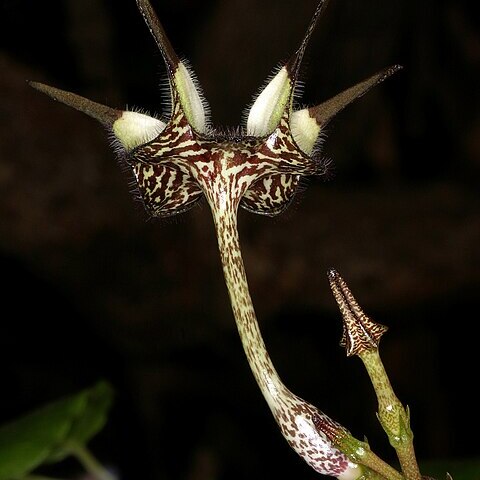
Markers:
{"x": 322, "y": 136}
{"x": 134, "y": 128}
{"x": 295, "y": 93}
{"x": 258, "y": 127}
{"x": 305, "y": 130}
{"x": 246, "y": 110}
{"x": 165, "y": 88}
{"x": 200, "y": 108}
{"x": 298, "y": 89}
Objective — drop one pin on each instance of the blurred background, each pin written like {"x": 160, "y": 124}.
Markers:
{"x": 93, "y": 289}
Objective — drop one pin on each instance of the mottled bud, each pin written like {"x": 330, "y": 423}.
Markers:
{"x": 360, "y": 333}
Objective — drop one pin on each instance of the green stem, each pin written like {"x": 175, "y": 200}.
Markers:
{"x": 394, "y": 418}
{"x": 372, "y": 475}
{"x": 90, "y": 463}
{"x": 359, "y": 452}
{"x": 379, "y": 468}
{"x": 408, "y": 461}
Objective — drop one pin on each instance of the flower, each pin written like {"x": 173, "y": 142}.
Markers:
{"x": 259, "y": 167}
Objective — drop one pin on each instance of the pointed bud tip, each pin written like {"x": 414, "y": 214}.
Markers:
{"x": 38, "y": 86}
{"x": 332, "y": 274}
{"x": 360, "y": 333}
{"x": 395, "y": 68}
{"x": 390, "y": 71}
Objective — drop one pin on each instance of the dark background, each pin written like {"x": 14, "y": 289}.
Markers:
{"x": 91, "y": 289}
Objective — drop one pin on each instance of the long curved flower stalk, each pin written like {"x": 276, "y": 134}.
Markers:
{"x": 259, "y": 168}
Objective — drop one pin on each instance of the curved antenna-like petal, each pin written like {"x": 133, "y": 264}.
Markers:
{"x": 158, "y": 33}
{"x": 272, "y": 101}
{"x": 306, "y": 124}
{"x": 184, "y": 87}
{"x": 131, "y": 129}
{"x": 105, "y": 115}
{"x": 324, "y": 112}
{"x": 294, "y": 64}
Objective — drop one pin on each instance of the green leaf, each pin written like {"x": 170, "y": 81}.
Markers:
{"x": 92, "y": 418}
{"x": 28, "y": 441}
{"x": 44, "y": 434}
{"x": 95, "y": 414}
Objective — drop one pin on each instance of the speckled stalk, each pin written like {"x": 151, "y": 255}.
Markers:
{"x": 394, "y": 418}
{"x": 296, "y": 418}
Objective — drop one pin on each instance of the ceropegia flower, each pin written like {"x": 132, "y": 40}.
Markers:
{"x": 178, "y": 161}
{"x": 173, "y": 161}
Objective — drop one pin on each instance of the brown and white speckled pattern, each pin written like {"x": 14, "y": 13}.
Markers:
{"x": 360, "y": 333}
{"x": 168, "y": 170}
{"x": 296, "y": 418}
{"x": 177, "y": 163}
{"x": 260, "y": 174}
{"x": 224, "y": 171}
